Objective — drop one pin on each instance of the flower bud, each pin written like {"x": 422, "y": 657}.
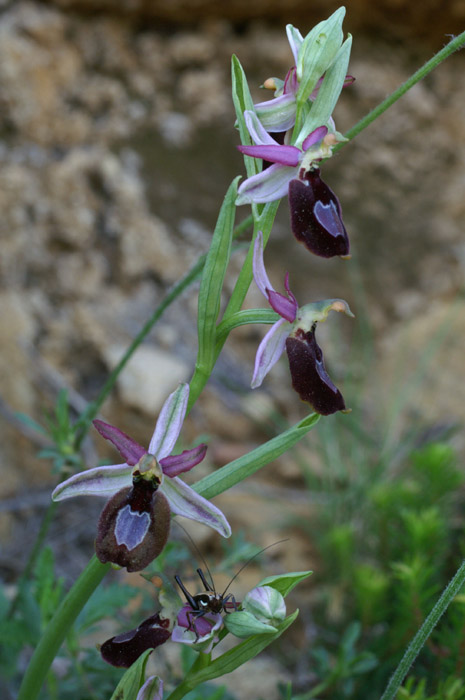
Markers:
{"x": 317, "y": 52}
{"x": 266, "y": 604}
{"x": 244, "y": 624}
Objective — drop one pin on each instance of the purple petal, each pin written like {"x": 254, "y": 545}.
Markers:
{"x": 267, "y": 186}
{"x": 258, "y": 133}
{"x": 186, "y": 502}
{"x": 270, "y": 350}
{"x": 203, "y": 624}
{"x": 176, "y": 464}
{"x": 169, "y": 423}
{"x": 259, "y": 272}
{"x": 99, "y": 481}
{"x": 291, "y": 84}
{"x": 287, "y": 308}
{"x": 316, "y": 135}
{"x": 288, "y": 290}
{"x": 128, "y": 448}
{"x": 286, "y": 155}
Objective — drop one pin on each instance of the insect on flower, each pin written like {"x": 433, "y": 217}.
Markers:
{"x": 209, "y": 603}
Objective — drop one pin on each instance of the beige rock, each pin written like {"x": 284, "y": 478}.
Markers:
{"x": 150, "y": 375}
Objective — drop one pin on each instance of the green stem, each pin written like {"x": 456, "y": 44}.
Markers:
{"x": 424, "y": 632}
{"x": 58, "y": 628}
{"x": 454, "y": 45}
{"x": 193, "y": 274}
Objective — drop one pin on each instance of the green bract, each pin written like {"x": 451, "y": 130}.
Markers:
{"x": 317, "y": 53}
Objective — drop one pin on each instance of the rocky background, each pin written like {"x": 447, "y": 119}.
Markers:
{"x": 117, "y": 144}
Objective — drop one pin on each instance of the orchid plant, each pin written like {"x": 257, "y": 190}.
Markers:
{"x": 285, "y": 142}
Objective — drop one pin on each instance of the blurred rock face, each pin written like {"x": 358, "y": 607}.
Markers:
{"x": 116, "y": 148}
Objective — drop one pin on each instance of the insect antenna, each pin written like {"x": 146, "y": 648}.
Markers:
{"x": 248, "y": 562}
{"x": 202, "y": 558}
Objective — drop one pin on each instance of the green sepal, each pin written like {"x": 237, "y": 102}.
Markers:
{"x": 328, "y": 93}
{"x": 133, "y": 679}
{"x": 238, "y": 655}
{"x": 212, "y": 281}
{"x": 317, "y": 53}
{"x": 244, "y": 318}
{"x": 243, "y": 624}
{"x": 239, "y": 469}
{"x": 243, "y": 100}
{"x": 284, "y": 583}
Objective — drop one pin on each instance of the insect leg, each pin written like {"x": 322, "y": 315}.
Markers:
{"x": 233, "y": 603}
{"x": 205, "y": 582}
{"x": 187, "y": 595}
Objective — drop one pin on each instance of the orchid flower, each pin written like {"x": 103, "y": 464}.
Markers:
{"x": 134, "y": 525}
{"x": 295, "y": 333}
{"x": 199, "y": 632}
{"x": 316, "y": 216}
{"x": 279, "y": 113}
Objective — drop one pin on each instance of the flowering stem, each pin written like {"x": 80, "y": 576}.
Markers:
{"x": 456, "y": 43}
{"x": 59, "y": 627}
{"x": 424, "y": 632}
{"x": 87, "y": 417}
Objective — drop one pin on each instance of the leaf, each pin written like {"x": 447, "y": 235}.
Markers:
{"x": 212, "y": 281}
{"x": 239, "y": 469}
{"x": 237, "y": 656}
{"x": 133, "y": 679}
{"x": 245, "y": 317}
{"x": 243, "y": 100}
{"x": 284, "y": 583}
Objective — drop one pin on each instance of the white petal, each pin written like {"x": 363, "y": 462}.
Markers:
{"x": 186, "y": 502}
{"x": 169, "y": 423}
{"x": 99, "y": 481}
{"x": 270, "y": 350}
{"x": 267, "y": 186}
{"x": 259, "y": 272}
{"x": 257, "y": 131}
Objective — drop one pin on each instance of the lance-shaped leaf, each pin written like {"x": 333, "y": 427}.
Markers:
{"x": 212, "y": 281}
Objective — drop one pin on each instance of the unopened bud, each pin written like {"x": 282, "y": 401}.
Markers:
{"x": 266, "y": 604}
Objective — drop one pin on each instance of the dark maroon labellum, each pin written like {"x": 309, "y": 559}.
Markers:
{"x": 316, "y": 216}
{"x": 133, "y": 527}
{"x": 309, "y": 376}
{"x": 126, "y": 648}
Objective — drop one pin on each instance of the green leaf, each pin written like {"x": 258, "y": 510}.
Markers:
{"x": 243, "y": 318}
{"x": 133, "y": 679}
{"x": 284, "y": 583}
{"x": 237, "y": 656}
{"x": 243, "y": 100}
{"x": 239, "y": 469}
{"x": 212, "y": 281}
